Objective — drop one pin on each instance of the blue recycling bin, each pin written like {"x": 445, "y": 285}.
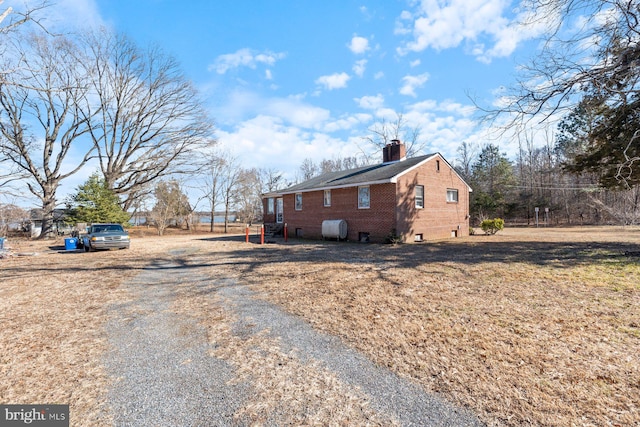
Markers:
{"x": 70, "y": 244}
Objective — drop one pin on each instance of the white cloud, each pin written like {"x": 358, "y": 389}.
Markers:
{"x": 415, "y": 63}
{"x": 297, "y": 113}
{"x": 333, "y": 81}
{"x": 241, "y": 104}
{"x": 359, "y": 67}
{"x": 447, "y": 24}
{"x": 244, "y": 58}
{"x": 347, "y": 123}
{"x": 370, "y": 102}
{"x": 411, "y": 83}
{"x": 267, "y": 141}
{"x": 358, "y": 45}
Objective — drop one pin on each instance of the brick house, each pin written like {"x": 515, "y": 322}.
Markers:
{"x": 418, "y": 198}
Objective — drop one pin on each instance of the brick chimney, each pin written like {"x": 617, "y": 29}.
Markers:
{"x": 394, "y": 151}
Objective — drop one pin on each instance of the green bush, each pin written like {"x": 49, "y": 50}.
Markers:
{"x": 492, "y": 226}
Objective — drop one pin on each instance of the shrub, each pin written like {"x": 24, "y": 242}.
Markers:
{"x": 492, "y": 226}
{"x": 393, "y": 238}
{"x": 472, "y": 231}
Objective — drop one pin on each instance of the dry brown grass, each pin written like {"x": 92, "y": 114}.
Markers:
{"x": 534, "y": 327}
{"x": 538, "y": 327}
{"x": 53, "y": 308}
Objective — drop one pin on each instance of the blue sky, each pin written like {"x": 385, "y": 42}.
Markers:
{"x": 289, "y": 80}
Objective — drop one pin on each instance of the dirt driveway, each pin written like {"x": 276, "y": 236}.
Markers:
{"x": 519, "y": 329}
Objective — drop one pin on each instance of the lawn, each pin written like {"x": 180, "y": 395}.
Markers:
{"x": 527, "y": 327}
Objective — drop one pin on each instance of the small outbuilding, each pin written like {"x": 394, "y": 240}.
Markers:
{"x": 405, "y": 199}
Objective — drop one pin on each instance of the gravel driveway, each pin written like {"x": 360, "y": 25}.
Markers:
{"x": 164, "y": 370}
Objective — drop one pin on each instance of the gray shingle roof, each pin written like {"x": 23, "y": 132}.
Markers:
{"x": 384, "y": 172}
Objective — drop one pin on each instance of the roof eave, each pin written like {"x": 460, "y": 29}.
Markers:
{"x": 331, "y": 187}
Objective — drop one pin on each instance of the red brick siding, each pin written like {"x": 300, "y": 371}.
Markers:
{"x": 439, "y": 218}
{"x": 378, "y": 220}
{"x": 389, "y": 209}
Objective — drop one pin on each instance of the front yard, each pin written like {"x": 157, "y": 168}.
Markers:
{"x": 527, "y": 327}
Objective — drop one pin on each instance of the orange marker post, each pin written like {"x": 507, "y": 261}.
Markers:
{"x": 286, "y": 232}
{"x": 262, "y": 234}
{"x": 246, "y": 234}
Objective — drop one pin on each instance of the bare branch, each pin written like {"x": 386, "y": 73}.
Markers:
{"x": 151, "y": 120}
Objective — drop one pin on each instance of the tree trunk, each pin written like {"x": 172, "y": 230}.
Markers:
{"x": 226, "y": 220}
{"x": 48, "y": 206}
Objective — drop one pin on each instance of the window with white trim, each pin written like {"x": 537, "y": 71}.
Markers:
{"x": 298, "y": 204}
{"x": 279, "y": 210}
{"x": 327, "y": 198}
{"x": 270, "y": 206}
{"x": 420, "y": 196}
{"x": 452, "y": 195}
{"x": 364, "y": 197}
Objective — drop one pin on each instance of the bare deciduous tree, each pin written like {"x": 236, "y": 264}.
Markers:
{"x": 10, "y": 21}
{"x": 211, "y": 176}
{"x": 40, "y": 121}
{"x": 467, "y": 154}
{"x": 248, "y": 199}
{"x": 596, "y": 57}
{"x": 171, "y": 205}
{"x": 11, "y": 214}
{"x": 231, "y": 175}
{"x": 270, "y": 180}
{"x": 8, "y": 24}
{"x": 308, "y": 169}
{"x": 151, "y": 120}
{"x": 384, "y": 132}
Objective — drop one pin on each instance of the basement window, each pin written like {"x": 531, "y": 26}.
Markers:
{"x": 418, "y": 238}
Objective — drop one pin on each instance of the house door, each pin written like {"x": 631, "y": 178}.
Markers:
{"x": 279, "y": 210}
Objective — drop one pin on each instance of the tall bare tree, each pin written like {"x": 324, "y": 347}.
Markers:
{"x": 231, "y": 174}
{"x": 270, "y": 180}
{"x": 248, "y": 199}
{"x": 597, "y": 60}
{"x": 10, "y": 21}
{"x": 308, "y": 169}
{"x": 467, "y": 154}
{"x": 211, "y": 177}
{"x": 40, "y": 119}
{"x": 151, "y": 122}
{"x": 382, "y": 133}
